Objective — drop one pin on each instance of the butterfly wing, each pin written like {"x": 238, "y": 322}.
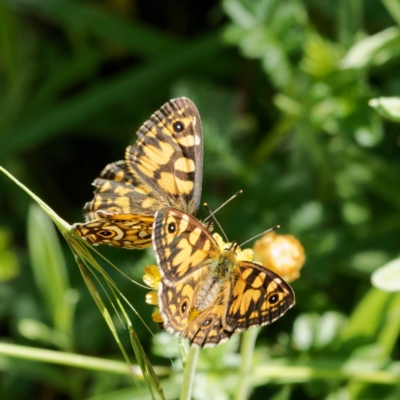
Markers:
{"x": 207, "y": 295}
{"x": 185, "y": 250}
{"x": 130, "y": 231}
{"x": 118, "y": 191}
{"x": 183, "y": 246}
{"x": 113, "y": 215}
{"x": 168, "y": 154}
{"x": 253, "y": 296}
{"x": 258, "y": 297}
{"x": 163, "y": 168}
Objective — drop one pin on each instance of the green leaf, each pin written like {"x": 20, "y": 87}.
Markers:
{"x": 241, "y": 12}
{"x": 320, "y": 56}
{"x": 9, "y": 266}
{"x": 50, "y": 271}
{"x": 367, "y": 51}
{"x": 387, "y": 277}
{"x": 387, "y": 107}
{"x": 55, "y": 120}
{"x": 393, "y": 6}
{"x": 139, "y": 38}
{"x": 83, "y": 252}
{"x": 366, "y": 320}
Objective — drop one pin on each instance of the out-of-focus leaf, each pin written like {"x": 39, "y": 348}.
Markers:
{"x": 320, "y": 57}
{"x": 8, "y": 48}
{"x": 9, "y": 266}
{"x": 56, "y": 119}
{"x": 367, "y": 50}
{"x": 283, "y": 394}
{"x": 314, "y": 331}
{"x": 50, "y": 271}
{"x": 308, "y": 216}
{"x": 355, "y": 212}
{"x": 247, "y": 14}
{"x": 238, "y": 11}
{"x": 140, "y": 39}
{"x": 82, "y": 252}
{"x": 387, "y": 277}
{"x": 368, "y": 261}
{"x": 393, "y": 6}
{"x": 261, "y": 43}
{"x": 389, "y": 334}
{"x": 366, "y": 319}
{"x": 387, "y": 107}
{"x": 38, "y": 331}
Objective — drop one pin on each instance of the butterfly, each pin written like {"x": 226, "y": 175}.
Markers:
{"x": 205, "y": 293}
{"x": 163, "y": 168}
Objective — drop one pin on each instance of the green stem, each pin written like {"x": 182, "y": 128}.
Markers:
{"x": 188, "y": 374}
{"x": 246, "y": 352}
{"x": 73, "y": 360}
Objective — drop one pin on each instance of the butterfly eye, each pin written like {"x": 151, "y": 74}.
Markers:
{"x": 105, "y": 233}
{"x": 184, "y": 307}
{"x": 178, "y": 126}
{"x": 207, "y": 322}
{"x": 273, "y": 298}
{"x": 171, "y": 227}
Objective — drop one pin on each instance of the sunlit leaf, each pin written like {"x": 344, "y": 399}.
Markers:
{"x": 366, "y": 51}
{"x": 387, "y": 277}
{"x": 387, "y": 107}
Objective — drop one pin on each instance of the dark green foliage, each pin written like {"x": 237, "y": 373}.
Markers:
{"x": 284, "y": 90}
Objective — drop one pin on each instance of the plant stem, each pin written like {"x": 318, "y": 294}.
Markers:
{"x": 246, "y": 352}
{"x": 188, "y": 374}
{"x": 73, "y": 360}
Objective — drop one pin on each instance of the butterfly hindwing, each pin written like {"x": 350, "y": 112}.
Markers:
{"x": 259, "y": 297}
{"x": 130, "y": 231}
{"x": 118, "y": 191}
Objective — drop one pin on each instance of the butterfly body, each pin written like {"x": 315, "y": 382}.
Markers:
{"x": 163, "y": 168}
{"x": 206, "y": 294}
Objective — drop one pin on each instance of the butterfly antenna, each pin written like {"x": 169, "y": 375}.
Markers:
{"x": 222, "y": 205}
{"x": 274, "y": 228}
{"x": 215, "y": 219}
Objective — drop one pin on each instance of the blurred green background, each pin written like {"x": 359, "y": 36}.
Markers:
{"x": 283, "y": 89}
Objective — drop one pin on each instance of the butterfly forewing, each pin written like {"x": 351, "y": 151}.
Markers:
{"x": 182, "y": 244}
{"x": 169, "y": 154}
{"x": 163, "y": 168}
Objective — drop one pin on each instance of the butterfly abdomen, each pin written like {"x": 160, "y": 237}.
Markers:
{"x": 208, "y": 293}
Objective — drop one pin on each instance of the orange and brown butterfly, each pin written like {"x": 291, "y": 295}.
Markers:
{"x": 206, "y": 292}
{"x": 163, "y": 168}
